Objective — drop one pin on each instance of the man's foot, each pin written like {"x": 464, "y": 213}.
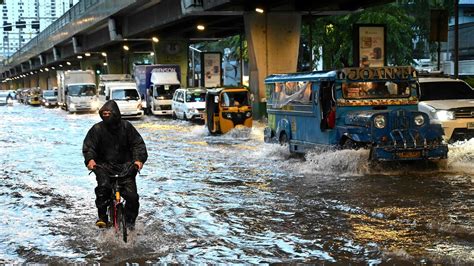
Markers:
{"x": 101, "y": 223}
{"x": 130, "y": 226}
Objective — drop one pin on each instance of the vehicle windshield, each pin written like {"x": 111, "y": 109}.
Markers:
{"x": 377, "y": 89}
{"x": 50, "y": 93}
{"x": 125, "y": 95}
{"x": 165, "y": 91}
{"x": 196, "y": 97}
{"x": 445, "y": 90}
{"x": 239, "y": 98}
{"x": 82, "y": 90}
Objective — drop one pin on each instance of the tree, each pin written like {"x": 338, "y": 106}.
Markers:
{"x": 334, "y": 35}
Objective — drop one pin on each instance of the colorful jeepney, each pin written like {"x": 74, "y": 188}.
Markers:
{"x": 373, "y": 108}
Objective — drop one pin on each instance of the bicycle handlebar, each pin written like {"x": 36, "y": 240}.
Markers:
{"x": 125, "y": 171}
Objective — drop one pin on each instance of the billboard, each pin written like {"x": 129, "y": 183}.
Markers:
{"x": 369, "y": 45}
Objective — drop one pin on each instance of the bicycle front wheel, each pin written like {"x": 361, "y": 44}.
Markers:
{"x": 121, "y": 221}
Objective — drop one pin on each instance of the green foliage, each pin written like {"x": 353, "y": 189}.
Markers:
{"x": 335, "y": 35}
{"x": 232, "y": 42}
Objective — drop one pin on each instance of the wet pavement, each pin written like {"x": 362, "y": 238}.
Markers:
{"x": 228, "y": 199}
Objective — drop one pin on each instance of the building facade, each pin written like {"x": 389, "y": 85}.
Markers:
{"x": 22, "y": 20}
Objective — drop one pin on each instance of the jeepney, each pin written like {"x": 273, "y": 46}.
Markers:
{"x": 372, "y": 107}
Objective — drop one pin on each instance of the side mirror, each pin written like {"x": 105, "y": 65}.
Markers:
{"x": 216, "y": 99}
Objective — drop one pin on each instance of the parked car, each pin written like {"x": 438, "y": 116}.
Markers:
{"x": 189, "y": 104}
{"x": 449, "y": 102}
{"x": 49, "y": 98}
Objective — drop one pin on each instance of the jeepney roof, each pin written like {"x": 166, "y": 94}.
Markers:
{"x": 301, "y": 76}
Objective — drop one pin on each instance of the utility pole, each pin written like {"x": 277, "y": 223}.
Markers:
{"x": 456, "y": 38}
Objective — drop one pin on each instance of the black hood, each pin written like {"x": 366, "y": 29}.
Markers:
{"x": 115, "y": 117}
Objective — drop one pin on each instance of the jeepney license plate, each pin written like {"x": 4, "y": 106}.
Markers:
{"x": 409, "y": 154}
{"x": 470, "y": 125}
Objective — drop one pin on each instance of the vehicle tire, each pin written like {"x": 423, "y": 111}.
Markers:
{"x": 173, "y": 116}
{"x": 121, "y": 222}
{"x": 349, "y": 144}
{"x": 283, "y": 139}
{"x": 185, "y": 117}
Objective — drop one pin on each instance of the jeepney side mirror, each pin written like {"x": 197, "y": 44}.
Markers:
{"x": 216, "y": 99}
{"x": 252, "y": 97}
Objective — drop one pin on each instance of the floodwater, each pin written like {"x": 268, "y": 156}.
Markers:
{"x": 228, "y": 199}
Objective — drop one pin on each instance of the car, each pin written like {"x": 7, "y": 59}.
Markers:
{"x": 49, "y": 98}
{"x": 189, "y": 103}
{"x": 449, "y": 102}
{"x": 128, "y": 99}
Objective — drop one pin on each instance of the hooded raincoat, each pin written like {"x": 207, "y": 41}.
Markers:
{"x": 114, "y": 142}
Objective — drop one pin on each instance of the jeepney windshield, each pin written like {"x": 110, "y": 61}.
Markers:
{"x": 378, "y": 89}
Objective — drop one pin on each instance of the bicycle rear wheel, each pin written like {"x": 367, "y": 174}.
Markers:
{"x": 121, "y": 221}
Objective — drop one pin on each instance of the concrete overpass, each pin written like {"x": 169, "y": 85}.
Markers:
{"x": 97, "y": 26}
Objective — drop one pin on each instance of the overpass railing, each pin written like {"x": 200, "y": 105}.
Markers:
{"x": 81, "y": 16}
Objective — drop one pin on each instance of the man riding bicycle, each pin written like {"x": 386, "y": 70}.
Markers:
{"x": 112, "y": 144}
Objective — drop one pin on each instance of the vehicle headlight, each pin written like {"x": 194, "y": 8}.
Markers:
{"x": 419, "y": 120}
{"x": 192, "y": 110}
{"x": 248, "y": 114}
{"x": 229, "y": 115}
{"x": 379, "y": 121}
{"x": 72, "y": 105}
{"x": 444, "y": 115}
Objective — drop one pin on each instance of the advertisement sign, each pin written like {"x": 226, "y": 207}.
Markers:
{"x": 369, "y": 48}
{"x": 211, "y": 71}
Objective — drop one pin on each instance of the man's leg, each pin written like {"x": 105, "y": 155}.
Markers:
{"x": 129, "y": 193}
{"x": 102, "y": 193}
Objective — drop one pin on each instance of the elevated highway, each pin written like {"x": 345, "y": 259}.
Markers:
{"x": 98, "y": 26}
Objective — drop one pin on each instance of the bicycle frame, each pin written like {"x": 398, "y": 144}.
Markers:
{"x": 116, "y": 209}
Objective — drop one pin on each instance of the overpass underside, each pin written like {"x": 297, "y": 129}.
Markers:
{"x": 97, "y": 26}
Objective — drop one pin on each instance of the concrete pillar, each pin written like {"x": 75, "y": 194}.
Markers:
{"x": 43, "y": 80}
{"x": 115, "y": 62}
{"x": 173, "y": 52}
{"x": 273, "y": 43}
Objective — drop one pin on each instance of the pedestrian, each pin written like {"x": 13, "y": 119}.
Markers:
{"x": 114, "y": 143}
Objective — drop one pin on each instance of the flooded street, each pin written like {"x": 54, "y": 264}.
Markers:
{"x": 227, "y": 199}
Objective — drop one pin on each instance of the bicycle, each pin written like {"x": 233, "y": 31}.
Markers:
{"x": 116, "y": 208}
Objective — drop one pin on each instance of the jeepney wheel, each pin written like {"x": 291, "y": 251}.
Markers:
{"x": 349, "y": 144}
{"x": 173, "y": 116}
{"x": 185, "y": 117}
{"x": 283, "y": 139}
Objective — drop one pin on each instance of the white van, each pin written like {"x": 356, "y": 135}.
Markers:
{"x": 123, "y": 91}
{"x": 189, "y": 104}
